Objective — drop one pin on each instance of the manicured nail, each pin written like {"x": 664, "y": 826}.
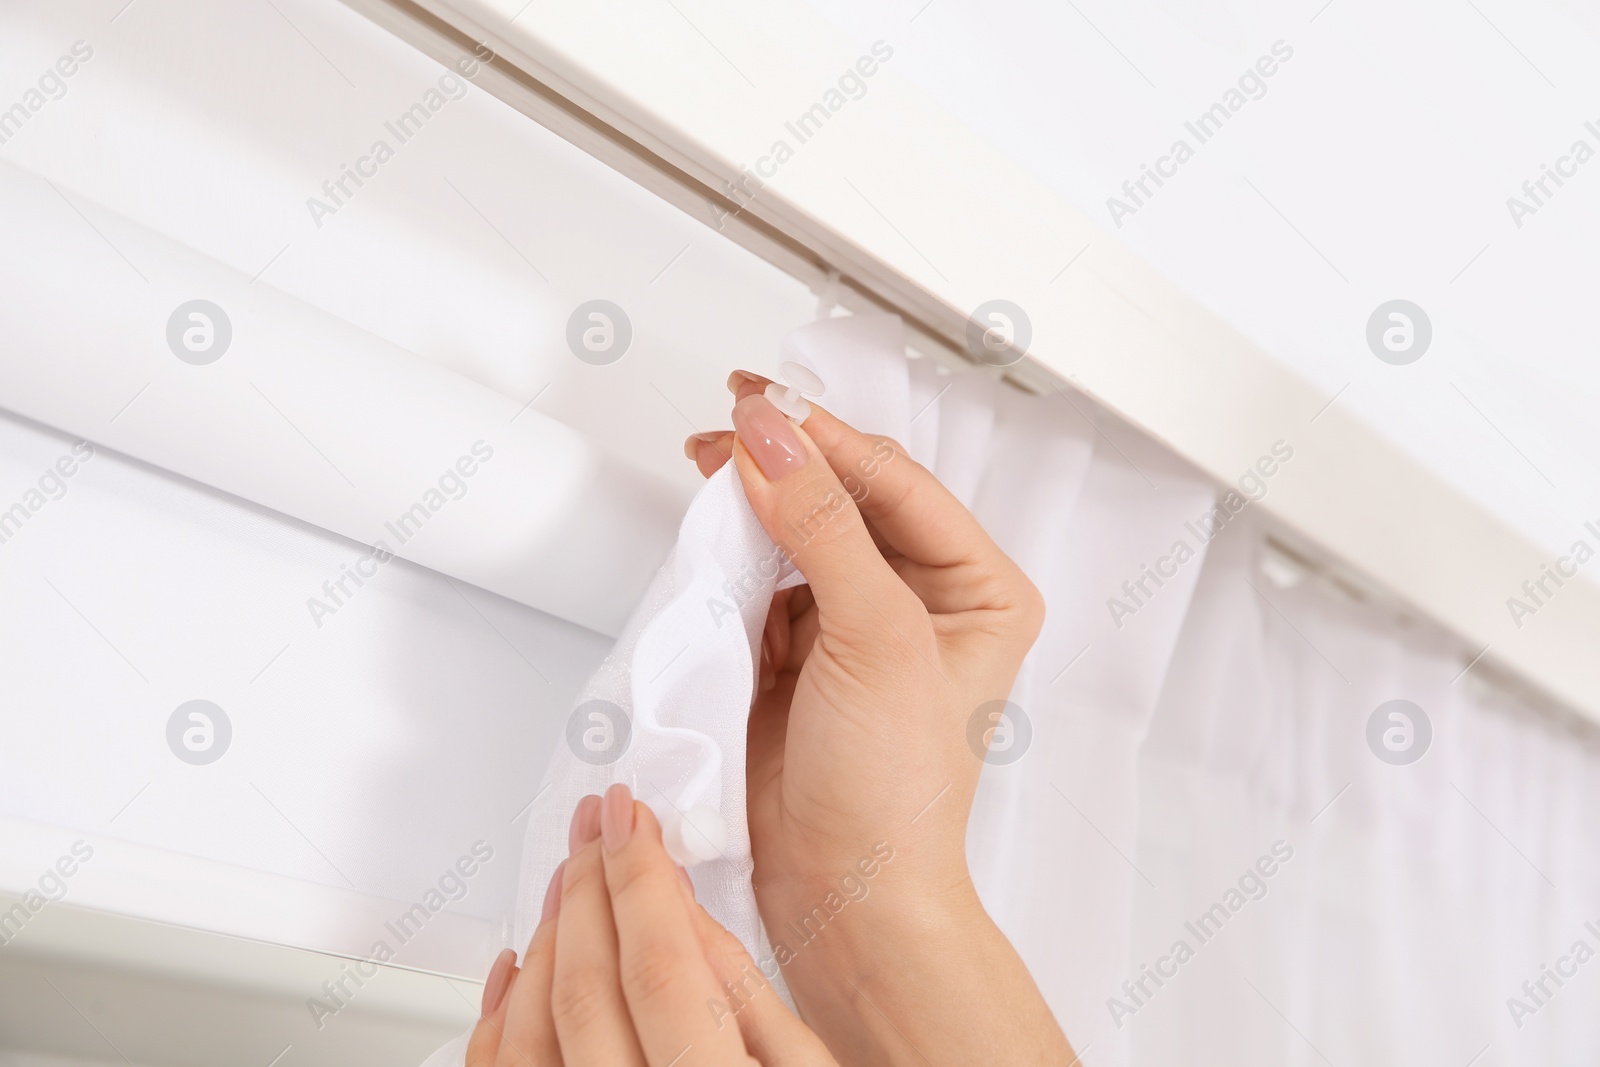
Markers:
{"x": 585, "y": 823}
{"x": 616, "y": 817}
{"x": 692, "y": 443}
{"x": 740, "y": 378}
{"x": 769, "y": 437}
{"x": 499, "y": 980}
{"x": 552, "y": 895}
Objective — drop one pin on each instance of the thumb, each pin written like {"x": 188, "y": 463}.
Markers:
{"x": 807, "y": 511}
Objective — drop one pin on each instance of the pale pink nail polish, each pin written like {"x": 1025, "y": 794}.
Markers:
{"x": 585, "y": 825}
{"x": 552, "y": 895}
{"x": 616, "y": 817}
{"x": 741, "y": 378}
{"x": 692, "y": 443}
{"x": 494, "y": 987}
{"x": 769, "y": 436}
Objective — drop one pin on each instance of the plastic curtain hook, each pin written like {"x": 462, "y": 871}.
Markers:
{"x": 828, "y": 295}
{"x": 788, "y": 399}
{"x": 695, "y": 836}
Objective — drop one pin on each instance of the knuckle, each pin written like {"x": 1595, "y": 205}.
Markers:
{"x": 816, "y": 513}
{"x": 727, "y": 943}
{"x": 650, "y": 971}
{"x": 627, "y": 878}
{"x": 869, "y": 491}
{"x": 580, "y": 996}
{"x": 511, "y": 1052}
{"x": 1030, "y": 609}
{"x": 1021, "y": 604}
{"x": 885, "y": 447}
{"x": 580, "y": 877}
{"x": 881, "y": 654}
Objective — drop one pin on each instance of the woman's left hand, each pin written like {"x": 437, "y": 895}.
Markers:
{"x": 627, "y": 970}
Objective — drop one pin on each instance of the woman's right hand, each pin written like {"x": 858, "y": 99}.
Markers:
{"x": 626, "y": 970}
{"x": 860, "y": 772}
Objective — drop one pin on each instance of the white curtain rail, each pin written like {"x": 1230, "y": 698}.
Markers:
{"x": 614, "y": 80}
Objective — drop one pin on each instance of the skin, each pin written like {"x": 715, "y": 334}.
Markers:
{"x": 626, "y": 970}
{"x": 860, "y": 781}
{"x": 912, "y": 619}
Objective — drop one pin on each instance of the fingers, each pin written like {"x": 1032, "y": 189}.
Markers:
{"x": 916, "y": 514}
{"x": 807, "y": 512}
{"x": 585, "y": 825}
{"x": 743, "y": 383}
{"x": 766, "y": 736}
{"x": 775, "y": 640}
{"x": 670, "y": 990}
{"x": 529, "y": 1031}
{"x": 484, "y": 1044}
{"x": 709, "y": 450}
{"x": 586, "y": 1000}
{"x": 624, "y": 966}
{"x": 772, "y": 1033}
{"x": 912, "y": 512}
{"x": 902, "y": 499}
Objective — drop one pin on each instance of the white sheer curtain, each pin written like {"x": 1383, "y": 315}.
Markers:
{"x": 1419, "y": 898}
{"x": 1221, "y": 733}
{"x": 1194, "y": 768}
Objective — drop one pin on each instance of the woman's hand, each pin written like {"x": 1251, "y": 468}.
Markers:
{"x": 860, "y": 772}
{"x": 627, "y": 970}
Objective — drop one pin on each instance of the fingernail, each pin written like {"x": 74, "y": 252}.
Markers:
{"x": 616, "y": 817}
{"x": 585, "y": 823}
{"x": 769, "y": 437}
{"x": 494, "y": 987}
{"x": 552, "y": 895}
{"x": 740, "y": 378}
{"x": 692, "y": 443}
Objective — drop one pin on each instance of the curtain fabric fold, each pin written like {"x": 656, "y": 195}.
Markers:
{"x": 1191, "y": 832}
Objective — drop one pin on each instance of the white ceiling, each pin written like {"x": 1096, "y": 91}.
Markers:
{"x": 1375, "y": 166}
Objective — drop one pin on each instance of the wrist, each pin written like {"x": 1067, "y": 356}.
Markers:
{"x": 885, "y": 901}
{"x": 915, "y": 956}
{"x": 837, "y": 951}
{"x": 903, "y": 924}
